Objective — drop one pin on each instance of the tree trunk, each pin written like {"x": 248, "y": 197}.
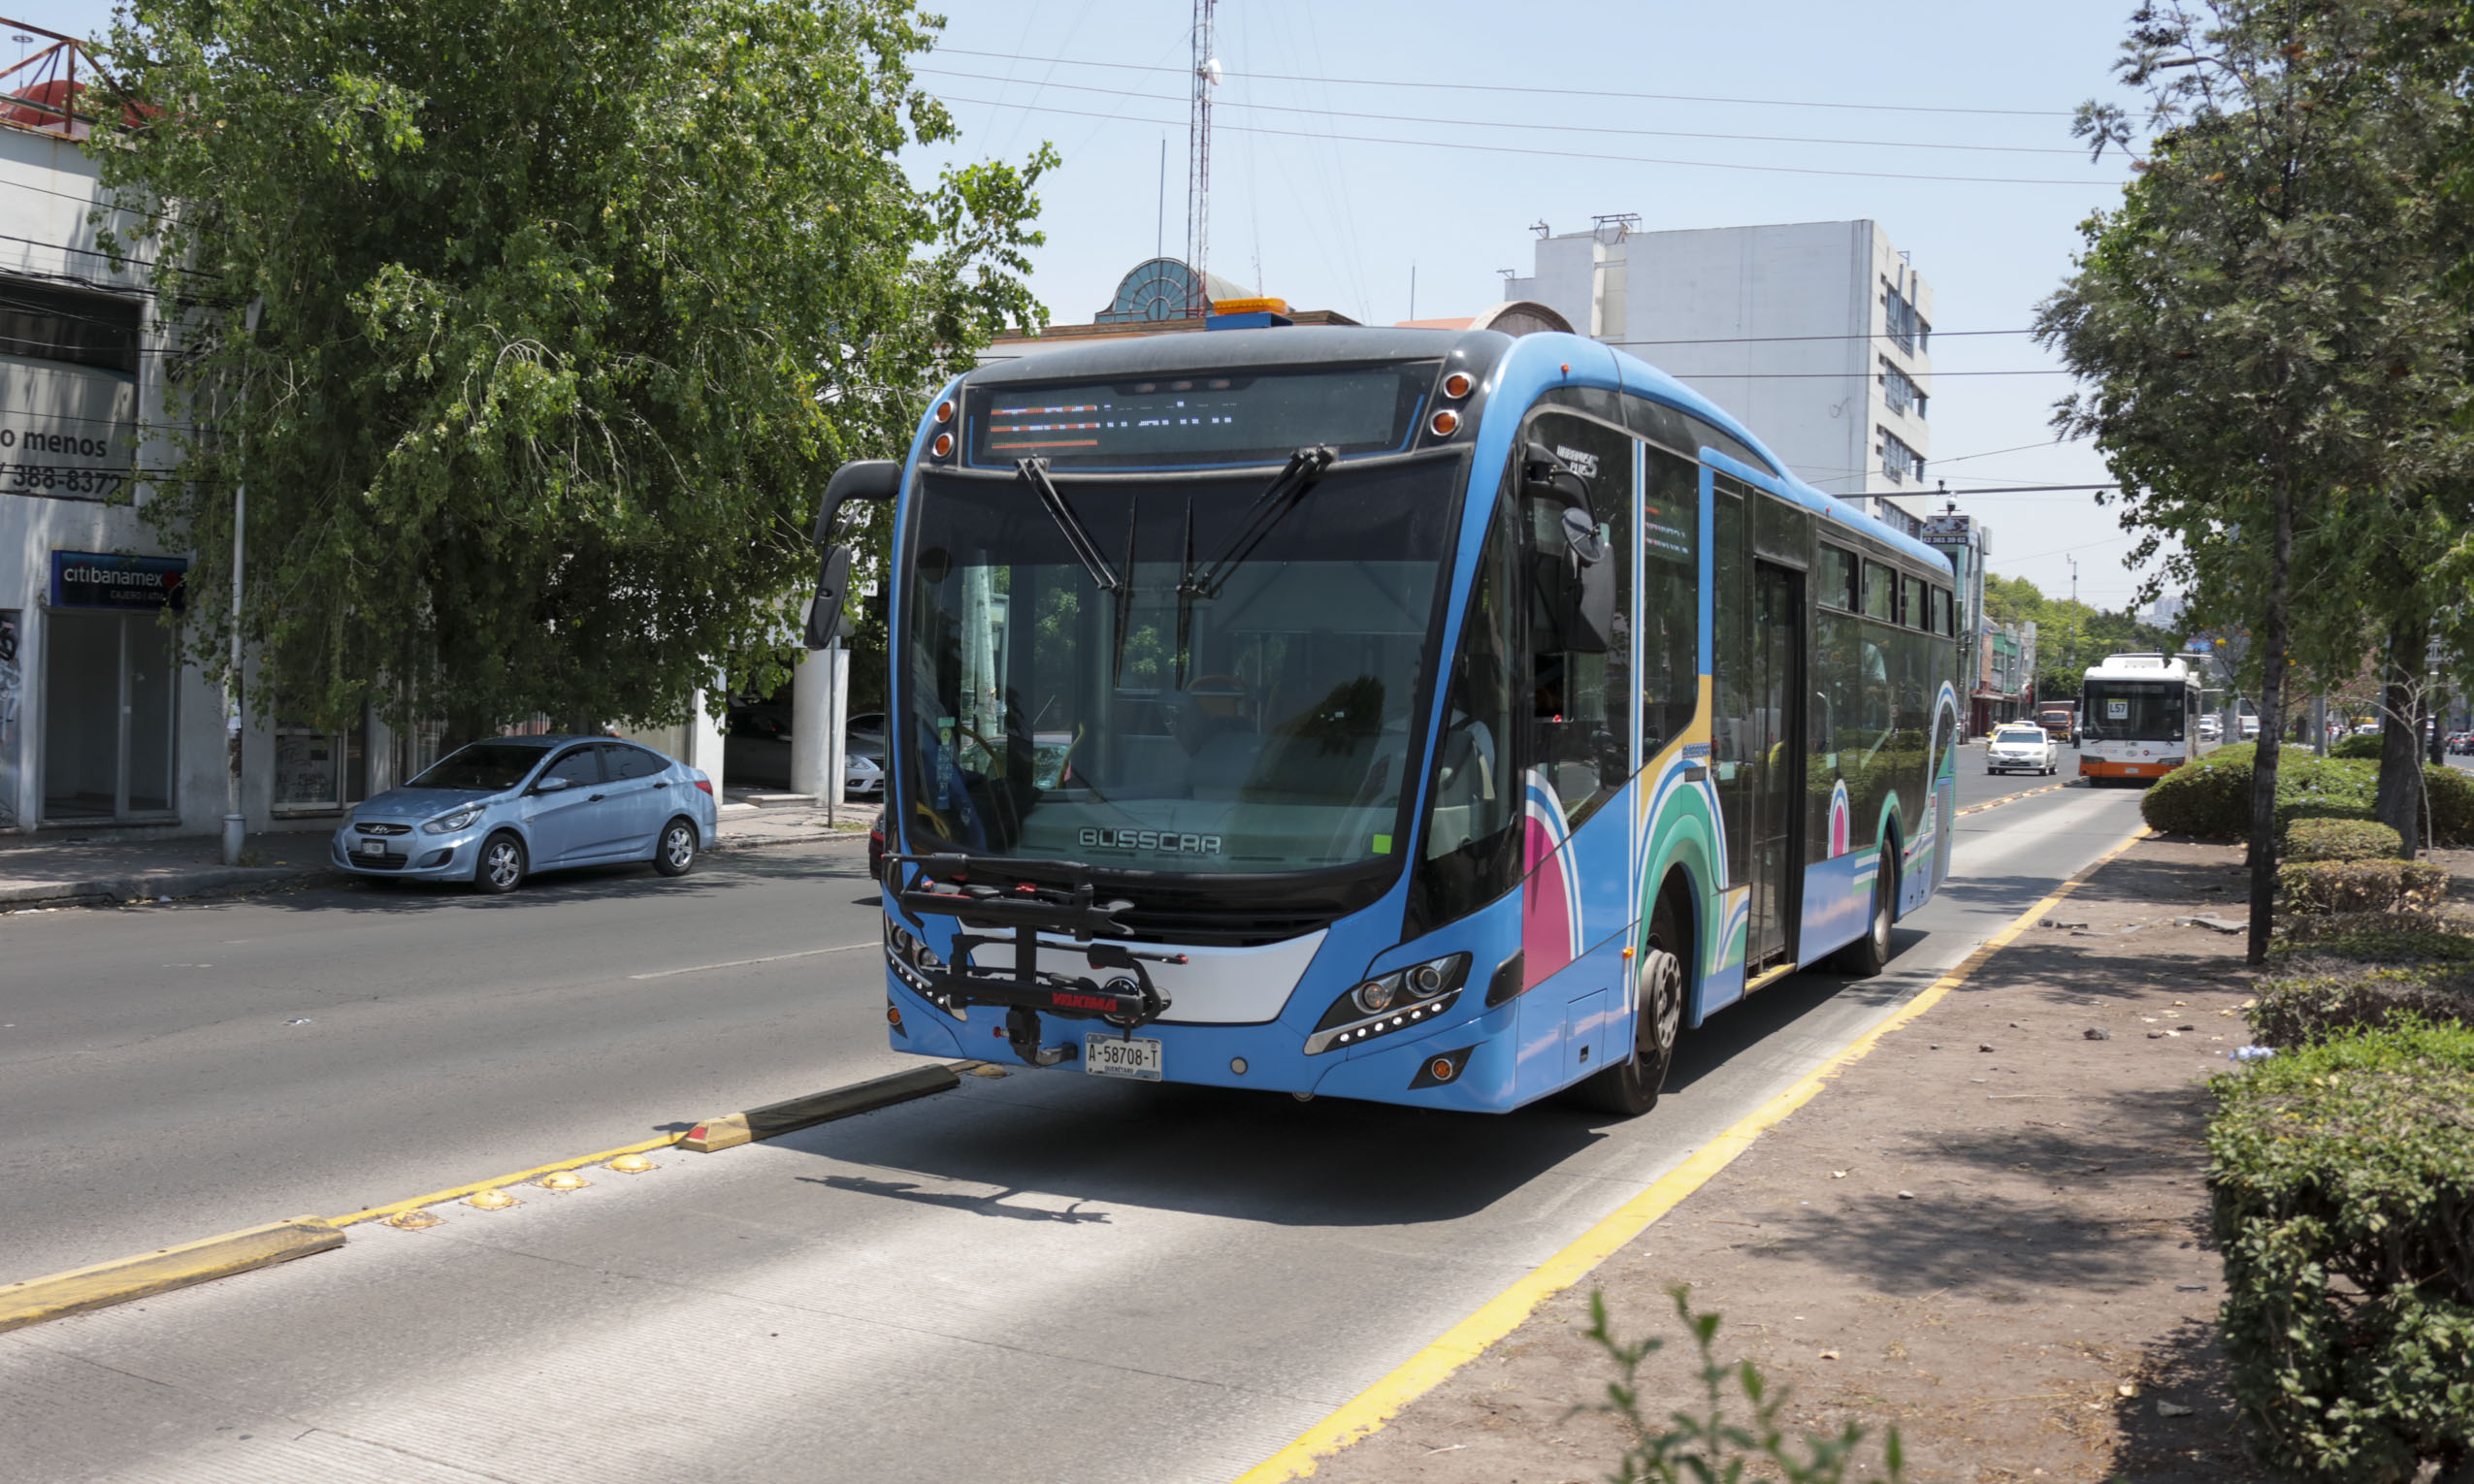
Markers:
{"x": 2272, "y": 663}
{"x": 2399, "y": 804}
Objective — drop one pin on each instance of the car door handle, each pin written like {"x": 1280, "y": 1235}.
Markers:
{"x": 594, "y": 798}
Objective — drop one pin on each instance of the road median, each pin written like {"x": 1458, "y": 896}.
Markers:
{"x": 774, "y": 1119}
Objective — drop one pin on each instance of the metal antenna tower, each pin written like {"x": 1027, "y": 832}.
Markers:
{"x": 1207, "y": 73}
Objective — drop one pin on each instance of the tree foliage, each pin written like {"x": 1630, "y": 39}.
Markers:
{"x": 2267, "y": 342}
{"x": 570, "y": 307}
{"x": 2070, "y": 635}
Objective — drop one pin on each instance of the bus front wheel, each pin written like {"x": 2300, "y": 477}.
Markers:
{"x": 1630, "y": 1087}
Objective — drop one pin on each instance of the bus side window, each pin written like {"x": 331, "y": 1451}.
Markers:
{"x": 1731, "y": 660}
{"x": 1670, "y": 598}
{"x": 1581, "y": 717}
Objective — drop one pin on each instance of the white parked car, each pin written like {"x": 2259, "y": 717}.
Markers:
{"x": 2021, "y": 746}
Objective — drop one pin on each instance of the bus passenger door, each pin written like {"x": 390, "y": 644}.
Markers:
{"x": 1774, "y": 757}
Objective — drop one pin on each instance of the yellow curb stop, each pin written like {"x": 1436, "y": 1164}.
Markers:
{"x": 774, "y": 1119}
{"x": 160, "y": 1272}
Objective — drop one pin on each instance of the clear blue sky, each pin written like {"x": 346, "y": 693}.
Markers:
{"x": 1330, "y": 222}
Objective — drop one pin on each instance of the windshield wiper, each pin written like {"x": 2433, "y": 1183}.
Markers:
{"x": 1034, "y": 472}
{"x": 1278, "y": 498}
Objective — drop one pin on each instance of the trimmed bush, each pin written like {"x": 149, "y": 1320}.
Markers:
{"x": 2361, "y": 886}
{"x": 2342, "y": 1178}
{"x": 2357, "y": 747}
{"x": 2344, "y": 998}
{"x": 2210, "y": 796}
{"x": 2309, "y": 944}
{"x": 2449, "y": 794}
{"x": 2318, "y": 839}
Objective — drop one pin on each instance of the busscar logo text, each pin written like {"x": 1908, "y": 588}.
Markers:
{"x": 1158, "y": 842}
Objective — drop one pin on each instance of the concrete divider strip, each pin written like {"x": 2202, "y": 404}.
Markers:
{"x": 774, "y": 1119}
{"x": 1500, "y": 1316}
{"x": 459, "y": 1192}
{"x": 160, "y": 1272}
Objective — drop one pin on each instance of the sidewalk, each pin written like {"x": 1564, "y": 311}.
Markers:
{"x": 1992, "y": 1231}
{"x": 67, "y": 867}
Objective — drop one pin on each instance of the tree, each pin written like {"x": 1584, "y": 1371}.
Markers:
{"x": 2260, "y": 327}
{"x": 570, "y": 307}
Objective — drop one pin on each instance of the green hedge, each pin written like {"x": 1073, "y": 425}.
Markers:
{"x": 2341, "y": 840}
{"x": 2363, "y": 885}
{"x": 2342, "y": 1178}
{"x": 2308, "y": 943}
{"x": 2210, "y": 798}
{"x": 2357, "y": 747}
{"x": 2302, "y": 1009}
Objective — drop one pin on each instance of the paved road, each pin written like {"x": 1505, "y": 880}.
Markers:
{"x": 1046, "y": 1277}
{"x": 1977, "y": 786}
{"x": 157, "y": 1088}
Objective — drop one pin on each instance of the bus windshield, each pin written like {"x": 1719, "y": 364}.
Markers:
{"x": 2133, "y": 711}
{"x": 1269, "y": 725}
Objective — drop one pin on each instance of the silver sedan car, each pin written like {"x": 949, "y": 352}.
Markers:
{"x": 497, "y": 810}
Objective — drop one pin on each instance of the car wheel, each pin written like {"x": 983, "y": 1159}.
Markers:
{"x": 1869, "y": 954}
{"x": 1630, "y": 1087}
{"x": 675, "y": 854}
{"x": 502, "y": 865}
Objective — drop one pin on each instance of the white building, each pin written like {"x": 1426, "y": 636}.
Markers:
{"x": 1817, "y": 335}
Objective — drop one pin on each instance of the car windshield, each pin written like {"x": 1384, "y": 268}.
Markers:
{"x": 1268, "y": 726}
{"x": 2018, "y": 735}
{"x": 491, "y": 765}
{"x": 2133, "y": 711}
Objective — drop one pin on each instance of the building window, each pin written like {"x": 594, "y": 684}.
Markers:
{"x": 1900, "y": 390}
{"x": 47, "y": 323}
{"x": 1900, "y": 320}
{"x": 1898, "y": 461}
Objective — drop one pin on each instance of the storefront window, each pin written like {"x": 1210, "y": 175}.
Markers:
{"x": 319, "y": 771}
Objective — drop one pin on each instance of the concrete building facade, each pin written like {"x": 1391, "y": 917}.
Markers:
{"x": 1817, "y": 335}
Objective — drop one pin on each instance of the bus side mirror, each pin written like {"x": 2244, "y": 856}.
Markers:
{"x": 825, "y": 611}
{"x": 873, "y": 479}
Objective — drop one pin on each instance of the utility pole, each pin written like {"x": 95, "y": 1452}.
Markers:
{"x": 1161, "y": 249}
{"x": 236, "y": 820}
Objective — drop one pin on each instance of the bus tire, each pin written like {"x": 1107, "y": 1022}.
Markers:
{"x": 1869, "y": 954}
{"x": 1630, "y": 1087}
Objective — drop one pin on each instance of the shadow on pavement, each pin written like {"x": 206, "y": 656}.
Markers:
{"x": 332, "y": 891}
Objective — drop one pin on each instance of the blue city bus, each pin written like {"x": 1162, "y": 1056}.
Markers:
{"x": 1429, "y": 717}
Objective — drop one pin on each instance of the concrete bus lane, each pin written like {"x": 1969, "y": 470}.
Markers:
{"x": 1043, "y": 1276}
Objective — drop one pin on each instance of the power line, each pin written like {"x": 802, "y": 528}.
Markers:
{"x": 1560, "y": 154}
{"x": 1550, "y": 92}
{"x": 1489, "y": 123}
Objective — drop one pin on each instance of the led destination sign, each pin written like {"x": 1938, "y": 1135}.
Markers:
{"x": 1182, "y": 421}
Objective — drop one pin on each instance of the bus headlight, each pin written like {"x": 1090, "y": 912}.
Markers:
{"x": 912, "y": 962}
{"x": 1391, "y": 1002}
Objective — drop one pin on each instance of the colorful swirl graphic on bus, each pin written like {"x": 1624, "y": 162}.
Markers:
{"x": 1841, "y": 820}
{"x": 1551, "y": 895}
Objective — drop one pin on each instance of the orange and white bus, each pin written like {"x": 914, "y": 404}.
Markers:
{"x": 2138, "y": 717}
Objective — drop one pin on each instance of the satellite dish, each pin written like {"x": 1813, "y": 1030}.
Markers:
{"x": 1212, "y": 73}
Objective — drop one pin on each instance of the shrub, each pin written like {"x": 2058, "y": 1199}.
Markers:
{"x": 2357, "y": 747}
{"x": 2341, "y": 1177}
{"x": 2343, "y": 998}
{"x": 2311, "y": 942}
{"x": 2210, "y": 798}
{"x": 1695, "y": 1448}
{"x": 2449, "y": 795}
{"x": 2318, "y": 839}
{"x": 2361, "y": 886}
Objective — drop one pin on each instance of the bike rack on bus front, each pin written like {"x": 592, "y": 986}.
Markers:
{"x": 1022, "y": 911}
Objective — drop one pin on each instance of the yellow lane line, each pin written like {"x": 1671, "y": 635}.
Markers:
{"x": 1500, "y": 1316}
{"x": 2012, "y": 798}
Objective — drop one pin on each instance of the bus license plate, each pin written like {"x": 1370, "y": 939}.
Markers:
{"x": 1118, "y": 1056}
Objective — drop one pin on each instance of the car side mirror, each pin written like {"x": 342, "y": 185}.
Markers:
{"x": 550, "y": 785}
